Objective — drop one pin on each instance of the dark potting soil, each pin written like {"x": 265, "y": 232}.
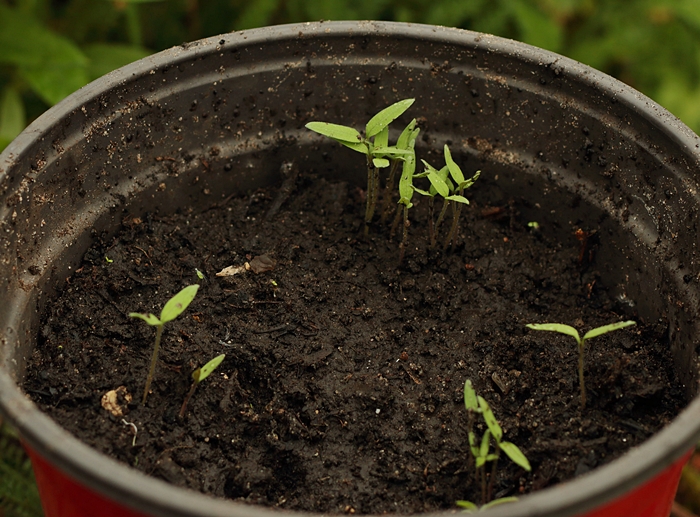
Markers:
{"x": 342, "y": 386}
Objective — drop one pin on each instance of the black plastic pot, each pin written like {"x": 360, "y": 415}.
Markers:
{"x": 219, "y": 116}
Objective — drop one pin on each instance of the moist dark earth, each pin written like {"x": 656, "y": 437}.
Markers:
{"x": 342, "y": 386}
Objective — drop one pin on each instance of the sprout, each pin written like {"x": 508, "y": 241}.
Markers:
{"x": 470, "y": 507}
{"x": 198, "y": 376}
{"x": 452, "y": 192}
{"x": 374, "y": 145}
{"x": 200, "y": 275}
{"x": 481, "y": 454}
{"x": 172, "y": 309}
{"x": 571, "y": 331}
{"x": 406, "y": 185}
{"x": 457, "y": 199}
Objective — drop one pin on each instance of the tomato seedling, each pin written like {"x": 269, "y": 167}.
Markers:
{"x": 172, "y": 309}
{"x": 581, "y": 341}
{"x": 374, "y": 145}
{"x": 198, "y": 376}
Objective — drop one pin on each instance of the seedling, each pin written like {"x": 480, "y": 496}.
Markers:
{"x": 374, "y": 145}
{"x": 481, "y": 454}
{"x": 571, "y": 331}
{"x": 439, "y": 184}
{"x": 458, "y": 199}
{"x": 452, "y": 192}
{"x": 470, "y": 507}
{"x": 198, "y": 376}
{"x": 407, "y": 139}
{"x": 172, "y": 309}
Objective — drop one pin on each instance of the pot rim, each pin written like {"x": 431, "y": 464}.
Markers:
{"x": 137, "y": 490}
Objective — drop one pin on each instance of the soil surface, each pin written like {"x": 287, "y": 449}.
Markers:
{"x": 342, "y": 386}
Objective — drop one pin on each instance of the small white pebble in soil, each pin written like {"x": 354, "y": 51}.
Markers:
{"x": 377, "y": 411}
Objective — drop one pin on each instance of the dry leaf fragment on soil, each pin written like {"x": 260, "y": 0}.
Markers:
{"x": 262, "y": 263}
{"x": 257, "y": 265}
{"x": 111, "y": 400}
{"x": 233, "y": 270}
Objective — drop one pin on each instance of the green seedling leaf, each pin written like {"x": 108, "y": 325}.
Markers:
{"x": 385, "y": 117}
{"x": 151, "y": 319}
{"x": 178, "y": 303}
{"x": 484, "y": 449}
{"x": 515, "y": 454}
{"x": 438, "y": 184}
{"x": 382, "y": 138}
{"x": 458, "y": 199}
{"x": 423, "y": 192}
{"x": 359, "y": 147}
{"x": 467, "y": 505}
{"x": 472, "y": 444}
{"x": 402, "y": 142}
{"x": 490, "y": 419}
{"x": 496, "y": 502}
{"x": 406, "y": 181}
{"x": 392, "y": 151}
{"x": 607, "y": 328}
{"x": 335, "y": 131}
{"x": 454, "y": 169}
{"x": 468, "y": 183}
{"x": 202, "y": 373}
{"x": 470, "y": 400}
{"x": 200, "y": 275}
{"x": 381, "y": 163}
{"x": 556, "y": 327}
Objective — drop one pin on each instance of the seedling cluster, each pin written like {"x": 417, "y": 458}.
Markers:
{"x": 449, "y": 182}
{"x": 481, "y": 450}
{"x": 581, "y": 341}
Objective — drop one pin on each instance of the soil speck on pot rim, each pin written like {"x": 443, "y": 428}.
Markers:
{"x": 342, "y": 384}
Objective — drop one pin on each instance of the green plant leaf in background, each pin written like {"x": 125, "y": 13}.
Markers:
{"x": 256, "y": 14}
{"x": 537, "y": 28}
{"x": 106, "y": 57}
{"x": 51, "y": 64}
{"x": 12, "y": 116}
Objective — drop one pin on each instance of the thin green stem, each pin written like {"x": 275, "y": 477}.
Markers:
{"x": 453, "y": 228}
{"x": 388, "y": 191}
{"x": 580, "y": 375}
{"x": 369, "y": 208}
{"x": 431, "y": 223}
{"x": 181, "y": 415}
{"x": 154, "y": 360}
{"x": 492, "y": 479}
{"x": 404, "y": 238}
{"x": 395, "y": 224}
{"x": 483, "y": 484}
{"x": 441, "y": 217}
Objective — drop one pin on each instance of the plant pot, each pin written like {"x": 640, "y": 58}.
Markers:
{"x": 220, "y": 115}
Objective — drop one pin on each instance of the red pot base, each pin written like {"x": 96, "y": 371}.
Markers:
{"x": 61, "y": 496}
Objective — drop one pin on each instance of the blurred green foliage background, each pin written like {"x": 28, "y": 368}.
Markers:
{"x": 49, "y": 48}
